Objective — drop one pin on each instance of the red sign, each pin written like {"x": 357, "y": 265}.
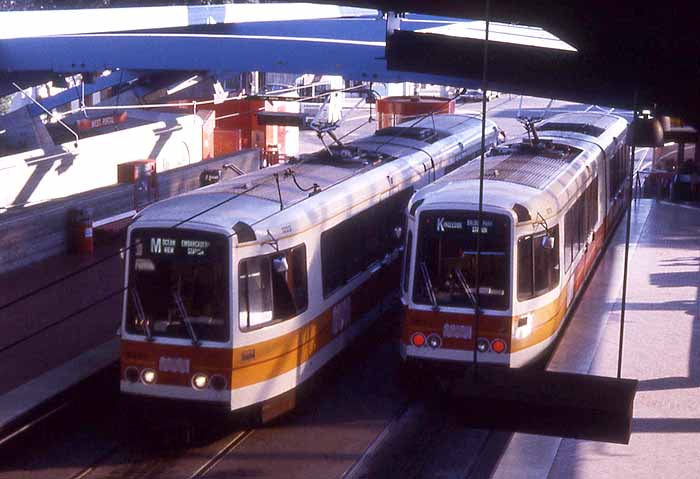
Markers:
{"x": 90, "y": 123}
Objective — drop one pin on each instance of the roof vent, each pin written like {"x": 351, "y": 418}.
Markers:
{"x": 522, "y": 213}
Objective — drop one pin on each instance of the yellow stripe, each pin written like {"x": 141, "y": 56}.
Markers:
{"x": 281, "y": 354}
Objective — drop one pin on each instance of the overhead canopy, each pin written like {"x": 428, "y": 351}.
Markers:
{"x": 622, "y": 46}
{"x": 595, "y": 51}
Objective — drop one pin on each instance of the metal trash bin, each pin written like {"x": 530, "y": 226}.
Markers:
{"x": 80, "y": 235}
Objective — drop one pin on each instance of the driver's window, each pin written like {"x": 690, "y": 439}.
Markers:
{"x": 538, "y": 264}
{"x": 272, "y": 288}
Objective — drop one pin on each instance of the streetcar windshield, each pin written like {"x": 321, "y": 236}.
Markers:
{"x": 178, "y": 285}
{"x": 445, "y": 268}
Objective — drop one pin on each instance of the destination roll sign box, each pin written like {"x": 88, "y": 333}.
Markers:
{"x": 178, "y": 246}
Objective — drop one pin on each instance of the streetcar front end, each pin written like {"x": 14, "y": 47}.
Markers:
{"x": 446, "y": 265}
{"x": 176, "y": 325}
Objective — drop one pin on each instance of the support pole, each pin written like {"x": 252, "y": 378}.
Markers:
{"x": 484, "y": 86}
{"x": 628, "y": 200}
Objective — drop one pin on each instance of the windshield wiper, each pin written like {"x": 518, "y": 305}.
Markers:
{"x": 138, "y": 306}
{"x": 183, "y": 312}
{"x": 428, "y": 285}
{"x": 465, "y": 286}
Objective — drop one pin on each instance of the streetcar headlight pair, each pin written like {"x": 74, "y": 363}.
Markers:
{"x": 202, "y": 381}
{"x": 147, "y": 376}
{"x": 199, "y": 381}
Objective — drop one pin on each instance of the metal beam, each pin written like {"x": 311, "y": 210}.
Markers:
{"x": 71, "y": 94}
{"x": 585, "y": 76}
{"x": 41, "y": 23}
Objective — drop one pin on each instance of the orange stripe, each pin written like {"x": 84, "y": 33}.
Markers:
{"x": 546, "y": 320}
{"x": 260, "y": 361}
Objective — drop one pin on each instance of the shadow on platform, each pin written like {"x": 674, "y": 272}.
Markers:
{"x": 547, "y": 403}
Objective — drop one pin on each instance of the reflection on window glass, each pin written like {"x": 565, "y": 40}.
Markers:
{"x": 255, "y": 292}
{"x": 178, "y": 277}
{"x": 272, "y": 287}
{"x": 579, "y": 222}
{"x": 538, "y": 264}
{"x": 446, "y": 245}
{"x": 350, "y": 247}
{"x": 407, "y": 261}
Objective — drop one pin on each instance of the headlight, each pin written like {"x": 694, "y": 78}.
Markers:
{"x": 148, "y": 376}
{"x": 200, "y": 381}
{"x": 131, "y": 374}
{"x": 434, "y": 341}
{"x": 218, "y": 382}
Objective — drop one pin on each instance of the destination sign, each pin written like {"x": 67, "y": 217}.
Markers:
{"x": 469, "y": 225}
{"x": 177, "y": 246}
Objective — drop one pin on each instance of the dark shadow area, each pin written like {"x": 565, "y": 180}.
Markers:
{"x": 666, "y": 425}
{"x": 533, "y": 401}
{"x": 42, "y": 168}
{"x": 65, "y": 164}
{"x": 164, "y": 134}
{"x": 689, "y": 306}
{"x": 665, "y": 384}
{"x": 674, "y": 280}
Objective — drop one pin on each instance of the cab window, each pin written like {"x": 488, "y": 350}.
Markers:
{"x": 272, "y": 288}
{"x": 538, "y": 264}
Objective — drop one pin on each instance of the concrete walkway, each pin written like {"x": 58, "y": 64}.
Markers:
{"x": 661, "y": 350}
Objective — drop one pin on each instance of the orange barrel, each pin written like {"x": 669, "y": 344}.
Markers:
{"x": 80, "y": 231}
{"x": 396, "y": 109}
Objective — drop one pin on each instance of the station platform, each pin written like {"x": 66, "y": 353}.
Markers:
{"x": 661, "y": 349}
{"x": 43, "y": 351}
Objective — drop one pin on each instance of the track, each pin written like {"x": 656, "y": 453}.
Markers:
{"x": 341, "y": 414}
{"x": 141, "y": 460}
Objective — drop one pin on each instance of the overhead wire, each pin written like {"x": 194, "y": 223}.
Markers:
{"x": 122, "y": 250}
{"x": 105, "y": 297}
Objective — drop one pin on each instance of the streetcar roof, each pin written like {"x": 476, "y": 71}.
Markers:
{"x": 254, "y": 198}
{"x": 543, "y": 179}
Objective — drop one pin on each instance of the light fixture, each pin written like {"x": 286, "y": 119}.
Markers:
{"x": 200, "y": 381}
{"x": 148, "y": 376}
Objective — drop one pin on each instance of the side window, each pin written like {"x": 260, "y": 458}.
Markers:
{"x": 272, "y": 287}
{"x": 350, "y": 247}
{"x": 525, "y": 271}
{"x": 592, "y": 199}
{"x": 568, "y": 239}
{"x": 546, "y": 262}
{"x": 254, "y": 292}
{"x": 407, "y": 261}
{"x": 538, "y": 264}
{"x": 334, "y": 258}
{"x": 579, "y": 221}
{"x": 617, "y": 168}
